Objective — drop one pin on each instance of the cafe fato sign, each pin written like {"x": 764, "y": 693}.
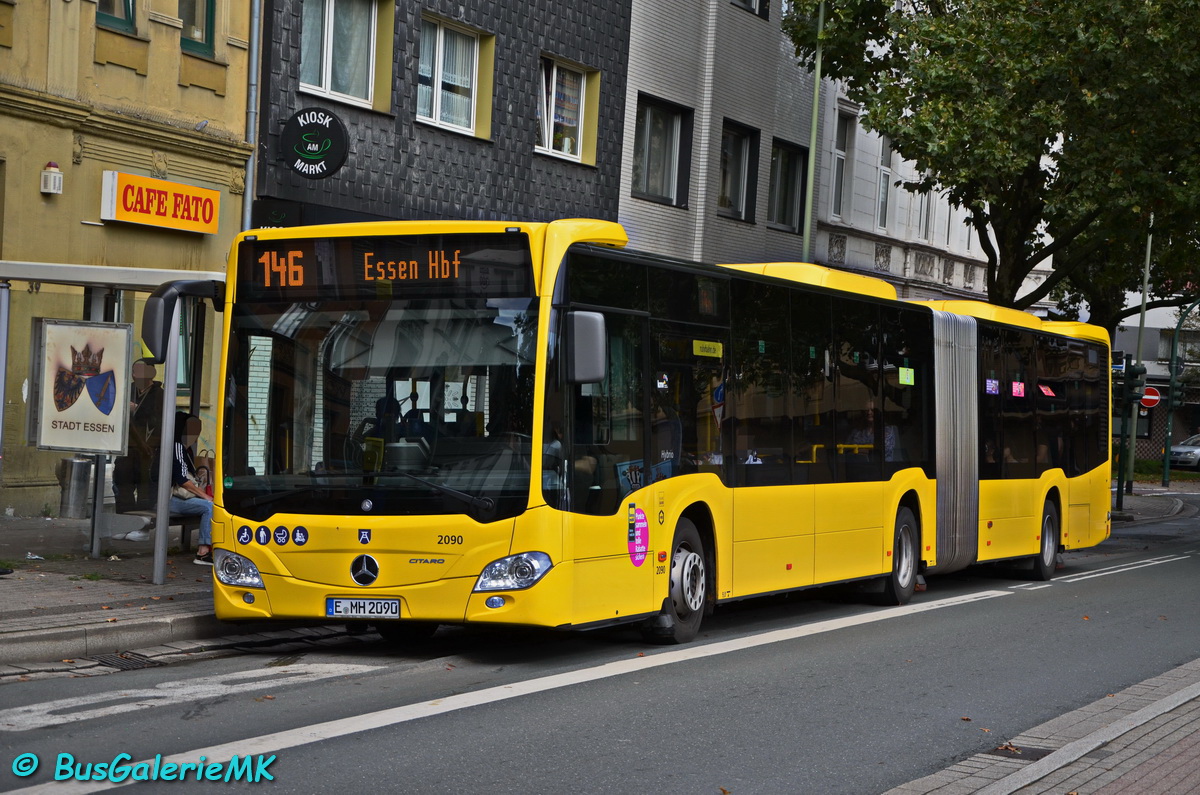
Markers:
{"x": 80, "y": 393}
{"x": 157, "y": 202}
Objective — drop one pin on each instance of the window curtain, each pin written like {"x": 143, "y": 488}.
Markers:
{"x": 352, "y": 40}
{"x": 429, "y": 36}
{"x": 458, "y": 77}
{"x": 312, "y": 38}
{"x": 566, "y": 111}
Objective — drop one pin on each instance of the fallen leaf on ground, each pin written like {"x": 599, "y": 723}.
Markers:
{"x": 964, "y": 718}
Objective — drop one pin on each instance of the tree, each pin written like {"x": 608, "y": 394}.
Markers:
{"x": 1060, "y": 127}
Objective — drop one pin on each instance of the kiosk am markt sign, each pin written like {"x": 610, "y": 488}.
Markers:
{"x": 314, "y": 143}
{"x": 1150, "y": 397}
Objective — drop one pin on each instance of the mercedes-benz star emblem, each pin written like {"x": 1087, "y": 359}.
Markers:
{"x": 367, "y": 505}
{"x": 364, "y": 570}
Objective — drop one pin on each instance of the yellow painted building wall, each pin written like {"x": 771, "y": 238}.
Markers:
{"x": 91, "y": 100}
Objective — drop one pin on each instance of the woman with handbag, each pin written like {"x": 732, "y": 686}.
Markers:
{"x": 187, "y": 496}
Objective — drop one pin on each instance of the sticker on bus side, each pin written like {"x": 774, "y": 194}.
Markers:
{"x": 639, "y": 535}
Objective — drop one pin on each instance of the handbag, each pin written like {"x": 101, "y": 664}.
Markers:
{"x": 181, "y": 493}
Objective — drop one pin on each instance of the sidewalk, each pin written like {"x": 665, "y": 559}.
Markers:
{"x": 63, "y": 605}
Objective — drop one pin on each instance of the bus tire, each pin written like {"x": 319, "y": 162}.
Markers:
{"x": 406, "y": 632}
{"x": 683, "y": 609}
{"x": 899, "y": 586}
{"x": 1043, "y": 562}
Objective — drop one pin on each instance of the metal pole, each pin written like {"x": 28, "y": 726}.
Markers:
{"x": 812, "y": 142}
{"x": 166, "y": 450}
{"x": 1141, "y": 329}
{"x": 252, "y": 111}
{"x": 1123, "y": 445}
{"x": 4, "y": 299}
{"x": 1166, "y": 476}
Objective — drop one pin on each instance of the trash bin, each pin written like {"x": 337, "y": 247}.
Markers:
{"x": 74, "y": 475}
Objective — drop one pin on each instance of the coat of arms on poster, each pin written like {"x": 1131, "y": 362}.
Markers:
{"x": 79, "y": 398}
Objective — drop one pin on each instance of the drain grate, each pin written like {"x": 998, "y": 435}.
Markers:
{"x": 126, "y": 661}
{"x": 1025, "y": 754}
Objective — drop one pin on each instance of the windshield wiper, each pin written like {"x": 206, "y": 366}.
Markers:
{"x": 482, "y": 503}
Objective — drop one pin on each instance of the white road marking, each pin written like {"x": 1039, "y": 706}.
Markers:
{"x": 71, "y": 710}
{"x": 291, "y": 738}
{"x": 1124, "y": 568}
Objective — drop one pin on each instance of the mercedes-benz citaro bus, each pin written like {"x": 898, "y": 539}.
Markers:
{"x": 467, "y": 422}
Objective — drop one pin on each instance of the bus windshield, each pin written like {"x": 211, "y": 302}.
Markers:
{"x": 393, "y": 406}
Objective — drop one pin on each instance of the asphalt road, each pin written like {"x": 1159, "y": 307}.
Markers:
{"x": 817, "y": 693}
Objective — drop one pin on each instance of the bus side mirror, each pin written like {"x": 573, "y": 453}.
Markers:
{"x": 160, "y": 309}
{"x": 587, "y": 348}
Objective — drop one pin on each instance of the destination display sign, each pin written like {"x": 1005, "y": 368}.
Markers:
{"x": 491, "y": 265}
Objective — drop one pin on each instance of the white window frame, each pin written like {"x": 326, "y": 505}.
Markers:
{"x": 545, "y": 108}
{"x": 438, "y": 77}
{"x": 327, "y": 44}
{"x": 885, "y": 182}
{"x": 843, "y": 143}
{"x": 926, "y": 208}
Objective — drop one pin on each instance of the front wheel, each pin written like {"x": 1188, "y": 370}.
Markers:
{"x": 683, "y": 609}
{"x": 898, "y": 587}
{"x": 1043, "y": 564}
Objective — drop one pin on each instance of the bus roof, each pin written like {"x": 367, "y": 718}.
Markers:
{"x": 1015, "y": 317}
{"x": 820, "y": 276}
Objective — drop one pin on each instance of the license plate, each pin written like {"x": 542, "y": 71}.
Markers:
{"x": 362, "y": 608}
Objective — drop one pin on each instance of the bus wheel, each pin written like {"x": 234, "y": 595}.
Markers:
{"x": 1043, "y": 564}
{"x": 406, "y": 632}
{"x": 898, "y": 587}
{"x": 683, "y": 609}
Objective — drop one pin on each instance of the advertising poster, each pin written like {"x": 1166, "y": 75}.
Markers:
{"x": 80, "y": 399}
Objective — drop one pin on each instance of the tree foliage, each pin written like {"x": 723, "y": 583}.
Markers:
{"x": 1059, "y": 126}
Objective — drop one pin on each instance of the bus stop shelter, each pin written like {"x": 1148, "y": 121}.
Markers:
{"x": 102, "y": 290}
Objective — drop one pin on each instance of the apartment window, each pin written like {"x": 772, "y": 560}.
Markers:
{"x": 739, "y": 152}
{"x": 662, "y": 151}
{"x": 760, "y": 7}
{"x": 446, "y": 87}
{"x": 925, "y": 212}
{"x": 885, "y": 180}
{"x": 197, "y": 17}
{"x": 789, "y": 164}
{"x": 842, "y": 141}
{"x": 560, "y": 109}
{"x": 337, "y": 46}
{"x": 115, "y": 14}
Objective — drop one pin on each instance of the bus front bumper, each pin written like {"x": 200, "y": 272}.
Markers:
{"x": 451, "y": 601}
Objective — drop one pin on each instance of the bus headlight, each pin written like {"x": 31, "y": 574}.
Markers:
{"x": 233, "y": 569}
{"x": 514, "y": 572}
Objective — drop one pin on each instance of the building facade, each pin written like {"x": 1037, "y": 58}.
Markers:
{"x": 106, "y": 107}
{"x": 441, "y": 110}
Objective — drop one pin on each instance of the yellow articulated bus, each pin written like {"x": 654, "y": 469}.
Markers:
{"x": 521, "y": 423}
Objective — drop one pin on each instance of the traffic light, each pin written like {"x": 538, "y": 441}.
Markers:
{"x": 1135, "y": 381}
{"x": 1175, "y": 399}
